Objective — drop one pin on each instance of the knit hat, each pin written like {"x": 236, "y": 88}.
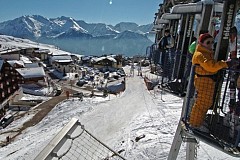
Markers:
{"x": 167, "y": 30}
{"x": 203, "y": 37}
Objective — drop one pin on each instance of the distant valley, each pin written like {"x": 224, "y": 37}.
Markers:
{"x": 79, "y": 37}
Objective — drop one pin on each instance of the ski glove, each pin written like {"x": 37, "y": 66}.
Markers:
{"x": 232, "y": 63}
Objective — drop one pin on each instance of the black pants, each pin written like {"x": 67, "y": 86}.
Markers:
{"x": 163, "y": 56}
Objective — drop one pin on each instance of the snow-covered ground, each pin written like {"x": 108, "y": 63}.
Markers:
{"x": 116, "y": 121}
{"x": 13, "y": 42}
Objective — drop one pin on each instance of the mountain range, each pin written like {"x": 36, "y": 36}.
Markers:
{"x": 80, "y": 37}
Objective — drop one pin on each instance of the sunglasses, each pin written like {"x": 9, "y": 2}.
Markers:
{"x": 209, "y": 42}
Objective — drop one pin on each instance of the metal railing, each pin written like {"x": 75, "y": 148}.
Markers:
{"x": 75, "y": 142}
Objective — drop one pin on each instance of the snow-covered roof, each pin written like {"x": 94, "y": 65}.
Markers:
{"x": 12, "y": 62}
{"x": 86, "y": 58}
{"x": 77, "y": 55}
{"x": 25, "y": 59}
{"x": 31, "y": 72}
{"x": 63, "y": 61}
{"x": 31, "y": 65}
{"x": 61, "y": 57}
{"x": 11, "y": 51}
{"x": 36, "y": 59}
{"x": 42, "y": 51}
{"x": 42, "y": 64}
{"x": 102, "y": 58}
{"x": 59, "y": 52}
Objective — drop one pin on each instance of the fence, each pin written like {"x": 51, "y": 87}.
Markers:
{"x": 174, "y": 69}
{"x": 214, "y": 111}
{"x": 74, "y": 142}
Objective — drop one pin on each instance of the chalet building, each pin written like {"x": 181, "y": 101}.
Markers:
{"x": 14, "y": 53}
{"x": 36, "y": 62}
{"x": 25, "y": 59}
{"x": 86, "y": 60}
{"x": 16, "y": 64}
{"x": 119, "y": 60}
{"x": 20, "y": 64}
{"x": 42, "y": 54}
{"x": 10, "y": 54}
{"x": 29, "y": 51}
{"x": 32, "y": 75}
{"x": 76, "y": 58}
{"x": 62, "y": 63}
{"x": 9, "y": 80}
{"x": 138, "y": 58}
{"x": 23, "y": 62}
{"x": 102, "y": 62}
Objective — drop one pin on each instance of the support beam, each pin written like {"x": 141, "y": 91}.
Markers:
{"x": 191, "y": 152}
{"x": 185, "y": 43}
{"x": 180, "y": 37}
{"x": 205, "y": 19}
{"x": 177, "y": 141}
{"x": 228, "y": 18}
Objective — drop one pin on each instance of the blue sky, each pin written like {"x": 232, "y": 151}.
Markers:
{"x": 105, "y": 11}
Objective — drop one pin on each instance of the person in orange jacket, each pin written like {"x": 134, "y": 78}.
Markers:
{"x": 206, "y": 68}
